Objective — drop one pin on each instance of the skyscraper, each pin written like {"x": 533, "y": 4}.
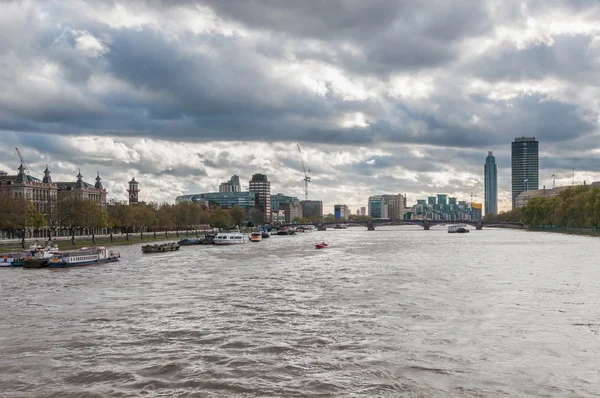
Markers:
{"x": 261, "y": 186}
{"x": 525, "y": 166}
{"x": 490, "y": 177}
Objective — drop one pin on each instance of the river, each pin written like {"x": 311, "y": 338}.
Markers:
{"x": 394, "y": 312}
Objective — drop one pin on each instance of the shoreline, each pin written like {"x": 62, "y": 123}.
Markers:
{"x": 592, "y": 233}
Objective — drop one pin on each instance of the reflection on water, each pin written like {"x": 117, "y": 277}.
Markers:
{"x": 393, "y": 312}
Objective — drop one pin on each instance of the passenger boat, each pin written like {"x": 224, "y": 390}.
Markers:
{"x": 230, "y": 238}
{"x": 458, "y": 229}
{"x": 84, "y": 256}
{"x": 40, "y": 256}
{"x": 208, "y": 239}
{"x": 12, "y": 259}
{"x": 256, "y": 237}
{"x": 321, "y": 245}
{"x": 160, "y": 247}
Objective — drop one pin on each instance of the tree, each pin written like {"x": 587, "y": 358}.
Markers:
{"x": 221, "y": 219}
{"x": 238, "y": 215}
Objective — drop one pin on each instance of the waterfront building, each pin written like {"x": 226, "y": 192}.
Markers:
{"x": 358, "y": 212}
{"x": 363, "y": 211}
{"x": 524, "y": 196}
{"x": 278, "y": 216}
{"x": 82, "y": 190}
{"x": 233, "y": 185}
{"x": 387, "y": 206}
{"x": 312, "y": 209}
{"x": 340, "y": 212}
{"x": 448, "y": 210}
{"x": 42, "y": 193}
{"x": 278, "y": 199}
{"x": 260, "y": 185}
{"x": 133, "y": 191}
{"x": 525, "y": 166}
{"x": 224, "y": 200}
{"x": 490, "y": 178}
{"x": 291, "y": 211}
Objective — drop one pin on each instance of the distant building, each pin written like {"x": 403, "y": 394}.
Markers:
{"x": 278, "y": 216}
{"x": 524, "y": 196}
{"x": 260, "y": 184}
{"x": 43, "y": 194}
{"x": 387, "y": 206}
{"x": 312, "y": 209}
{"x": 291, "y": 210}
{"x": 81, "y": 189}
{"x": 277, "y": 200}
{"x": 448, "y": 210}
{"x": 341, "y": 212}
{"x": 134, "y": 192}
{"x": 490, "y": 177}
{"x": 358, "y": 212}
{"x": 225, "y": 200}
{"x": 525, "y": 166}
{"x": 233, "y": 185}
{"x": 363, "y": 211}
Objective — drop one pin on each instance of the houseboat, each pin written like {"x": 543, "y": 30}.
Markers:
{"x": 84, "y": 256}
{"x": 230, "y": 238}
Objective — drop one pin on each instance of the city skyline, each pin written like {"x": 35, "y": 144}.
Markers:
{"x": 374, "y": 112}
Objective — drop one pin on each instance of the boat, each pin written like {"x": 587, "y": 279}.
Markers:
{"x": 189, "y": 242}
{"x": 208, "y": 239}
{"x": 40, "y": 256}
{"x": 12, "y": 259}
{"x": 83, "y": 256}
{"x": 340, "y": 226}
{"x": 256, "y": 237}
{"x": 321, "y": 245}
{"x": 265, "y": 234}
{"x": 230, "y": 238}
{"x": 283, "y": 231}
{"x": 457, "y": 229}
{"x": 160, "y": 247}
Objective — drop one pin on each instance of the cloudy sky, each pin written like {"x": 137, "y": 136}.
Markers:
{"x": 382, "y": 96}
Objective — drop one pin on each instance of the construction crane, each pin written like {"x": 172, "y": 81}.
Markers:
{"x": 306, "y": 176}
{"x": 23, "y": 162}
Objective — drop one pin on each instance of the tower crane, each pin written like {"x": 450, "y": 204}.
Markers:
{"x": 306, "y": 176}
{"x": 23, "y": 162}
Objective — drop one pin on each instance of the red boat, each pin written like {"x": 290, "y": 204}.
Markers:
{"x": 321, "y": 245}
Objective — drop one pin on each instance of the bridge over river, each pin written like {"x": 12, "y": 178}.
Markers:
{"x": 426, "y": 224}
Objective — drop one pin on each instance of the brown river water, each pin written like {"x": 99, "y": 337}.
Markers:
{"x": 389, "y": 313}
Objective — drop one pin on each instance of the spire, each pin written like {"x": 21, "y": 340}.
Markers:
{"x": 21, "y": 175}
{"x": 79, "y": 182}
{"x": 98, "y": 183}
{"x": 47, "y": 179}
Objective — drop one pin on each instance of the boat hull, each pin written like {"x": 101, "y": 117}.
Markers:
{"x": 36, "y": 263}
{"x": 81, "y": 264}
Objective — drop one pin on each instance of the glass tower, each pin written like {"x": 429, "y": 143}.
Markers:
{"x": 490, "y": 176}
{"x": 525, "y": 166}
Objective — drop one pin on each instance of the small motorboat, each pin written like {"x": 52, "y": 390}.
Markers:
{"x": 321, "y": 245}
{"x": 256, "y": 237}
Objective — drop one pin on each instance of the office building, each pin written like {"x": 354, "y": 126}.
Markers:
{"x": 450, "y": 209}
{"x": 312, "y": 209}
{"x": 387, "y": 206}
{"x": 233, "y": 185}
{"x": 224, "y": 200}
{"x": 340, "y": 212}
{"x": 525, "y": 166}
{"x": 292, "y": 211}
{"x": 277, "y": 200}
{"x": 363, "y": 211}
{"x": 260, "y": 185}
{"x": 490, "y": 178}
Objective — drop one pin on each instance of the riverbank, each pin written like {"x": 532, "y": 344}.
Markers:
{"x": 569, "y": 231}
{"x": 86, "y": 241}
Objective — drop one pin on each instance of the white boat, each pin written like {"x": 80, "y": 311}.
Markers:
{"x": 457, "y": 229}
{"x": 256, "y": 237}
{"x": 84, "y": 256}
{"x": 230, "y": 238}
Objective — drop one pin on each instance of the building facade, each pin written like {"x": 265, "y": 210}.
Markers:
{"x": 525, "y": 166}
{"x": 224, "y": 200}
{"x": 524, "y": 196}
{"x": 448, "y": 209}
{"x": 260, "y": 185}
{"x": 43, "y": 194}
{"x": 277, "y": 200}
{"x": 340, "y": 212}
{"x": 363, "y": 211}
{"x": 291, "y": 210}
{"x": 490, "y": 178}
{"x": 83, "y": 190}
{"x": 233, "y": 185}
{"x": 387, "y": 206}
{"x": 312, "y": 209}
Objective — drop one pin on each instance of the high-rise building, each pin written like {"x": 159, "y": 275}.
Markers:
{"x": 261, "y": 185}
{"x": 363, "y": 211}
{"x": 490, "y": 178}
{"x": 341, "y": 212}
{"x": 233, "y": 185}
{"x": 312, "y": 209}
{"x": 387, "y": 206}
{"x": 525, "y": 166}
{"x": 292, "y": 211}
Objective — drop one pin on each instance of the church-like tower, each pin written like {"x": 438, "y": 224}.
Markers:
{"x": 133, "y": 192}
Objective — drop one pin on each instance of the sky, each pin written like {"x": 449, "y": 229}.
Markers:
{"x": 382, "y": 96}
